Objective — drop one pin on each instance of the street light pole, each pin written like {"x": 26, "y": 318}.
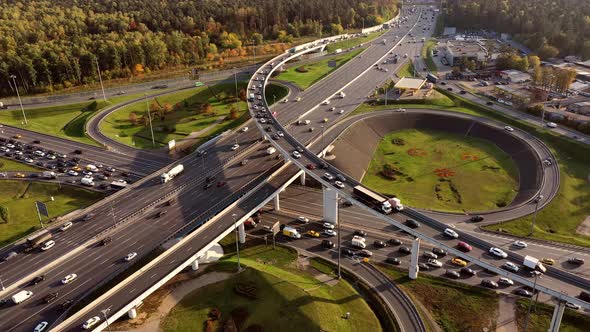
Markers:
{"x": 537, "y": 200}
{"x": 104, "y": 96}
{"x": 19, "y": 100}
{"x": 237, "y": 241}
{"x": 147, "y": 106}
{"x": 236, "y": 83}
{"x": 104, "y": 314}
{"x": 339, "y": 242}
{"x": 526, "y": 320}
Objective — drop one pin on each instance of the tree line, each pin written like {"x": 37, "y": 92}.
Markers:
{"x": 49, "y": 45}
{"x": 548, "y": 27}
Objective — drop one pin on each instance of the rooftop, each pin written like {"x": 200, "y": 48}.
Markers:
{"x": 465, "y": 47}
{"x": 410, "y": 83}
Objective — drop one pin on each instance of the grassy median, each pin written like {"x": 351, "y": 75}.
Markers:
{"x": 352, "y": 42}
{"x": 15, "y": 166}
{"x": 540, "y": 318}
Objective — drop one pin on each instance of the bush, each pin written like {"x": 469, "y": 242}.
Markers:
{"x": 391, "y": 172}
{"x": 301, "y": 69}
{"x": 4, "y": 214}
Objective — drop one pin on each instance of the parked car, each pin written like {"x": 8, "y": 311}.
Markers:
{"x": 393, "y": 260}
{"x": 453, "y": 274}
{"x": 404, "y": 250}
{"x": 458, "y": 261}
{"x": 489, "y": 283}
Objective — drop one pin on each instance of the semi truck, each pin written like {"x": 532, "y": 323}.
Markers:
{"x": 379, "y": 202}
{"x": 38, "y": 239}
{"x": 291, "y": 232}
{"x": 21, "y": 296}
{"x": 167, "y": 176}
{"x": 534, "y": 264}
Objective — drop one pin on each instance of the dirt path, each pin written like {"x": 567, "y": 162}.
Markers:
{"x": 584, "y": 227}
{"x": 506, "y": 321}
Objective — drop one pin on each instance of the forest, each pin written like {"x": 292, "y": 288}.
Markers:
{"x": 49, "y": 45}
{"x": 548, "y": 27}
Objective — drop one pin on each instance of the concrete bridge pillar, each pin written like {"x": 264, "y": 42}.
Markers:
{"x": 132, "y": 313}
{"x": 277, "y": 203}
{"x": 330, "y": 205}
{"x": 557, "y": 316}
{"x": 413, "y": 273}
{"x": 302, "y": 178}
{"x": 195, "y": 265}
{"x": 241, "y": 233}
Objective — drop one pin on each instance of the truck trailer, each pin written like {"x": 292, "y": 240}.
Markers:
{"x": 167, "y": 176}
{"x": 534, "y": 264}
{"x": 379, "y": 202}
{"x": 38, "y": 239}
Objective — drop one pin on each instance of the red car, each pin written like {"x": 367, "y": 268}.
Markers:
{"x": 311, "y": 166}
{"x": 464, "y": 247}
{"x": 221, "y": 184}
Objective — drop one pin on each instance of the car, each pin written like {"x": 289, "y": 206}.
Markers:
{"x": 571, "y": 305}
{"x": 303, "y": 219}
{"x": 50, "y": 157}
{"x": 498, "y": 252}
{"x": 451, "y": 233}
{"x": 394, "y": 242}
{"x": 235, "y": 147}
{"x": 329, "y": 232}
{"x": 88, "y": 216}
{"x": 65, "y": 226}
{"x": 328, "y": 244}
{"x": 341, "y": 112}
{"x": 519, "y": 244}
{"x": 50, "y": 297}
{"x": 423, "y": 266}
{"x": 71, "y": 172}
{"x": 489, "y": 103}
{"x": 548, "y": 261}
{"x": 221, "y": 184}
{"x": 439, "y": 252}
{"x": 106, "y": 241}
{"x": 434, "y": 263}
{"x": 130, "y": 256}
{"x": 90, "y": 322}
{"x": 346, "y": 252}
{"x": 313, "y": 233}
{"x": 19, "y": 175}
{"x": 551, "y": 125}
{"x": 412, "y": 223}
{"x": 299, "y": 149}
{"x": 310, "y": 166}
{"x": 207, "y": 186}
{"x": 458, "y": 261}
{"x": 339, "y": 184}
{"x": 452, "y": 274}
{"x": 325, "y": 102}
{"x": 508, "y": 128}
{"x": 328, "y": 176}
{"x": 69, "y": 278}
{"x": 379, "y": 244}
{"x": 393, "y": 260}
{"x": 37, "y": 279}
{"x": 360, "y": 233}
{"x": 505, "y": 281}
{"x": 489, "y": 283}
{"x": 328, "y": 225}
{"x": 404, "y": 250}
{"x": 48, "y": 245}
{"x": 462, "y": 92}
{"x": 523, "y": 292}
{"x": 9, "y": 256}
{"x": 450, "y": 89}
{"x": 41, "y": 326}
{"x": 17, "y": 136}
{"x": 467, "y": 271}
{"x": 28, "y": 160}
{"x": 510, "y": 267}
{"x": 576, "y": 261}
{"x": 429, "y": 254}
{"x": 78, "y": 151}
{"x": 296, "y": 154}
{"x": 476, "y": 218}
{"x": 365, "y": 253}
{"x": 324, "y": 165}
{"x": 280, "y": 133}
{"x": 464, "y": 247}
{"x": 110, "y": 169}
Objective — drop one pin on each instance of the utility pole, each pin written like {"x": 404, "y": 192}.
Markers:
{"x": 237, "y": 97}
{"x": 104, "y": 96}
{"x": 19, "y": 100}
{"x": 339, "y": 241}
{"x": 528, "y": 314}
{"x": 147, "y": 106}
{"x": 537, "y": 200}
{"x": 104, "y": 314}
{"x": 234, "y": 216}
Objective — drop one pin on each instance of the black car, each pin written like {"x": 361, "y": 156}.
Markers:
{"x": 66, "y": 304}
{"x": 462, "y": 92}
{"x": 102, "y": 177}
{"x": 328, "y": 244}
{"x": 439, "y": 252}
{"x": 523, "y": 292}
{"x": 393, "y": 260}
{"x": 324, "y": 165}
{"x": 88, "y": 216}
{"x": 78, "y": 151}
{"x": 394, "y": 242}
{"x": 405, "y": 250}
{"x": 346, "y": 252}
{"x": 467, "y": 271}
{"x": 340, "y": 177}
{"x": 40, "y": 163}
{"x": 33, "y": 175}
{"x": 347, "y": 203}
{"x": 476, "y": 218}
{"x": 50, "y": 297}
{"x": 423, "y": 267}
{"x": 576, "y": 260}
{"x": 450, "y": 89}
{"x": 207, "y": 185}
{"x": 489, "y": 103}
{"x": 125, "y": 174}
{"x": 489, "y": 284}
{"x": 412, "y": 223}
{"x": 379, "y": 244}
{"x": 160, "y": 213}
{"x": 36, "y": 141}
{"x": 37, "y": 279}
{"x": 453, "y": 274}
{"x": 443, "y": 83}
{"x": 360, "y": 233}
{"x": 3, "y": 302}
{"x": 268, "y": 129}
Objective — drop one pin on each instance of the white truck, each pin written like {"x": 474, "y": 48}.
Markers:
{"x": 359, "y": 242}
{"x": 49, "y": 175}
{"x": 171, "y": 174}
{"x": 21, "y": 296}
{"x": 534, "y": 264}
{"x": 396, "y": 204}
{"x": 291, "y": 232}
{"x": 271, "y": 150}
{"x": 378, "y": 202}
{"x": 87, "y": 181}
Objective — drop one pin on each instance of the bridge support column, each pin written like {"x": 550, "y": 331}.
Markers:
{"x": 302, "y": 178}
{"x": 277, "y": 203}
{"x": 195, "y": 265}
{"x": 413, "y": 273}
{"x": 241, "y": 233}
{"x": 132, "y": 313}
{"x": 557, "y": 316}
{"x": 330, "y": 205}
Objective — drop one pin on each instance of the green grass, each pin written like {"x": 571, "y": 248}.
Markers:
{"x": 178, "y": 124}
{"x": 439, "y": 27}
{"x": 560, "y": 219}
{"x": 19, "y": 198}
{"x": 275, "y": 91}
{"x": 345, "y": 44}
{"x": 407, "y": 70}
{"x": 540, "y": 319}
{"x": 315, "y": 70}
{"x": 451, "y": 304}
{"x": 427, "y": 55}
{"x": 484, "y": 176}
{"x": 287, "y": 299}
{"x": 11, "y": 165}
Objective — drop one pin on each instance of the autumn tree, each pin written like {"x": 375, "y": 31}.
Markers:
{"x": 133, "y": 118}
{"x": 168, "y": 108}
{"x": 233, "y": 113}
{"x": 206, "y": 108}
{"x": 242, "y": 94}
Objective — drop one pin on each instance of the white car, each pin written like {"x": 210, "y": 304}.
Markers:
{"x": 339, "y": 184}
{"x": 329, "y": 176}
{"x": 29, "y": 160}
{"x": 325, "y": 102}
{"x": 41, "y": 327}
{"x": 296, "y": 154}
{"x": 18, "y": 153}
{"x": 39, "y": 153}
{"x": 519, "y": 244}
{"x": 434, "y": 262}
{"x": 329, "y": 232}
{"x": 235, "y": 147}
{"x": 400, "y": 110}
{"x": 91, "y": 322}
{"x": 508, "y": 128}
{"x": 551, "y": 124}
{"x": 341, "y": 112}
{"x": 333, "y": 109}
{"x": 510, "y": 267}
{"x": 66, "y": 226}
{"x": 72, "y": 173}
{"x": 48, "y": 245}
{"x": 498, "y": 252}
{"x": 285, "y": 100}
{"x": 572, "y": 306}
{"x": 262, "y": 120}
{"x": 244, "y": 129}
{"x": 69, "y": 278}
{"x": 328, "y": 225}
{"x": 451, "y": 233}
{"x": 50, "y": 157}
{"x": 506, "y": 281}
{"x": 130, "y": 256}
{"x": 303, "y": 219}
{"x": 280, "y": 133}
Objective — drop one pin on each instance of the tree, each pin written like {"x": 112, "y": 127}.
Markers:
{"x": 585, "y": 52}
{"x": 233, "y": 113}
{"x": 168, "y": 108}
{"x": 258, "y": 38}
{"x": 206, "y": 108}
{"x": 534, "y": 61}
{"x": 242, "y": 94}
{"x": 336, "y": 29}
{"x": 548, "y": 51}
{"x": 4, "y": 215}
{"x": 133, "y": 118}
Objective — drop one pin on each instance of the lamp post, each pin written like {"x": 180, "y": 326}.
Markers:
{"x": 19, "y": 100}
{"x": 236, "y": 84}
{"x": 537, "y": 201}
{"x": 528, "y": 314}
{"x": 147, "y": 106}
{"x": 100, "y": 79}
{"x": 2, "y": 284}
{"x": 339, "y": 240}
{"x": 104, "y": 314}
{"x": 234, "y": 216}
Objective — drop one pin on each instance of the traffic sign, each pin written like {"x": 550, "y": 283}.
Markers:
{"x": 42, "y": 208}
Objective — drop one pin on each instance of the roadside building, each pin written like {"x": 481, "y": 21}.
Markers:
{"x": 457, "y": 51}
{"x": 582, "y": 108}
{"x": 516, "y": 95}
{"x": 515, "y": 76}
{"x": 409, "y": 85}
